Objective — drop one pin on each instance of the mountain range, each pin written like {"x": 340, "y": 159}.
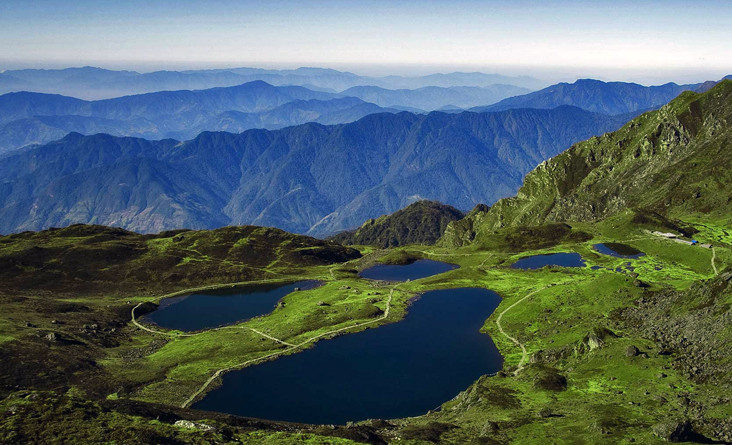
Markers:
{"x": 596, "y": 96}
{"x": 36, "y": 118}
{"x": 95, "y": 83}
{"x": 311, "y": 178}
{"x": 435, "y": 98}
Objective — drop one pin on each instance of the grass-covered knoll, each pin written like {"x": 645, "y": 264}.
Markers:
{"x": 83, "y": 259}
{"x": 673, "y": 162}
{"x": 423, "y": 222}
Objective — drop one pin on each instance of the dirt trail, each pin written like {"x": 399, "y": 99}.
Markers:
{"x": 269, "y": 336}
{"x": 500, "y": 328}
{"x": 714, "y": 257}
{"x": 290, "y": 349}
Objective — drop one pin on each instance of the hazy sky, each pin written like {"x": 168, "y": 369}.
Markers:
{"x": 608, "y": 39}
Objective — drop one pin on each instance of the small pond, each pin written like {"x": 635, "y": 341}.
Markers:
{"x": 210, "y": 309}
{"x": 397, "y": 370}
{"x": 563, "y": 259}
{"x": 619, "y": 250}
{"x": 414, "y": 271}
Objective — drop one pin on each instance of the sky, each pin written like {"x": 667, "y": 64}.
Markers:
{"x": 620, "y": 39}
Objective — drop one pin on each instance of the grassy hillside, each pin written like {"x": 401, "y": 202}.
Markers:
{"x": 672, "y": 162}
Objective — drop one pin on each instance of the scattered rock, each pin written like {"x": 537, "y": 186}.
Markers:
{"x": 194, "y": 426}
{"x": 344, "y": 287}
{"x": 52, "y": 337}
{"x": 322, "y": 303}
{"x": 661, "y": 375}
{"x": 297, "y": 289}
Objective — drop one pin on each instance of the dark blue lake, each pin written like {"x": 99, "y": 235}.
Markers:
{"x": 210, "y": 309}
{"x": 619, "y": 250}
{"x": 397, "y": 370}
{"x": 414, "y": 271}
{"x": 563, "y": 259}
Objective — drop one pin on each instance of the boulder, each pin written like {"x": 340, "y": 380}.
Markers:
{"x": 631, "y": 351}
{"x": 489, "y": 429}
{"x": 594, "y": 339}
{"x": 545, "y": 413}
{"x": 550, "y": 380}
{"x": 673, "y": 431}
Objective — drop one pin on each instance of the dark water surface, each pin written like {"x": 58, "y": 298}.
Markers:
{"x": 209, "y": 309}
{"x": 414, "y": 271}
{"x": 397, "y": 370}
{"x": 619, "y": 250}
{"x": 564, "y": 259}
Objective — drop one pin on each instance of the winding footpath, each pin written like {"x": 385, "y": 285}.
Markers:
{"x": 518, "y": 343}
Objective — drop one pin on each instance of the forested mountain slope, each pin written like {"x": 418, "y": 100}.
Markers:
{"x": 306, "y": 179}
